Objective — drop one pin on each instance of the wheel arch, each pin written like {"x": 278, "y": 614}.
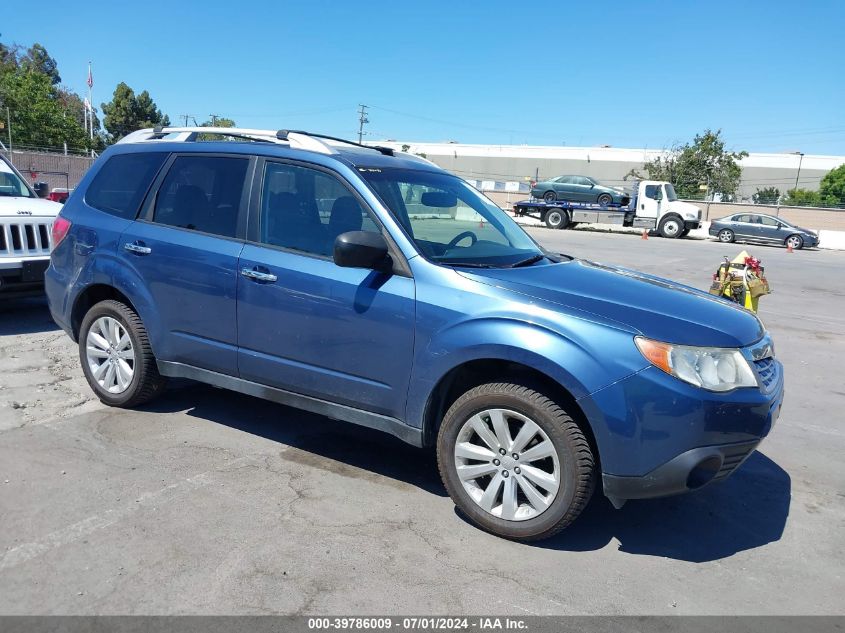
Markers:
{"x": 91, "y": 296}
{"x": 463, "y": 377}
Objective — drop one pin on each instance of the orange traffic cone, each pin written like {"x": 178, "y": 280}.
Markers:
{"x": 645, "y": 235}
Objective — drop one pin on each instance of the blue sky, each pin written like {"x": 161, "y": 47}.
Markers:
{"x": 770, "y": 74}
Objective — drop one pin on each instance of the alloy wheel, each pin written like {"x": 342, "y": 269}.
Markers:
{"x": 726, "y": 236}
{"x": 507, "y": 464}
{"x": 110, "y": 355}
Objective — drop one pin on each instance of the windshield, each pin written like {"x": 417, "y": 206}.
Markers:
{"x": 670, "y": 193}
{"x": 11, "y": 184}
{"x": 450, "y": 221}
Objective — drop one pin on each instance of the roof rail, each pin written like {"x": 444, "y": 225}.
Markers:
{"x": 293, "y": 138}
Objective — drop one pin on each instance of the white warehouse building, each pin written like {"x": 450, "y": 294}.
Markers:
{"x": 512, "y": 167}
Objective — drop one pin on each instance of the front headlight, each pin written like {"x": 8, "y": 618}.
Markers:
{"x": 711, "y": 368}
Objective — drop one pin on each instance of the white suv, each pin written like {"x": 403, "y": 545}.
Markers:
{"x": 26, "y": 222}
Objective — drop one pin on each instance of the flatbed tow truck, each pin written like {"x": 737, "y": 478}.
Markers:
{"x": 653, "y": 206}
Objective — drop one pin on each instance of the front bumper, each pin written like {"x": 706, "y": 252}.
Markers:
{"x": 690, "y": 225}
{"x": 688, "y": 471}
{"x": 657, "y": 435}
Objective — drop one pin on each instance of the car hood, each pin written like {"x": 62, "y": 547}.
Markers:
{"x": 22, "y": 208}
{"x": 654, "y": 307}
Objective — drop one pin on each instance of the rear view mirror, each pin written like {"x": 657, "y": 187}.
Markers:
{"x": 361, "y": 249}
{"x": 440, "y": 199}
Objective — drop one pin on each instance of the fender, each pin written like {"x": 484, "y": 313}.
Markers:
{"x": 110, "y": 270}
{"x": 570, "y": 361}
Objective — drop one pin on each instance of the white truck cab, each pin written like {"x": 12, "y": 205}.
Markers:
{"x": 658, "y": 207}
{"x": 26, "y": 223}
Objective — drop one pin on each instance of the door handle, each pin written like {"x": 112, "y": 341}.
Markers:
{"x": 135, "y": 247}
{"x": 258, "y": 275}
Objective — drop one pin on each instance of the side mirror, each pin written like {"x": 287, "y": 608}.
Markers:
{"x": 361, "y": 249}
{"x": 42, "y": 189}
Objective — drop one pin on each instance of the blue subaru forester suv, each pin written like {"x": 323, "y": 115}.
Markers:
{"x": 373, "y": 287}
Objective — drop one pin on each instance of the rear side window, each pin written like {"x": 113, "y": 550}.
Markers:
{"x": 202, "y": 193}
{"x": 120, "y": 185}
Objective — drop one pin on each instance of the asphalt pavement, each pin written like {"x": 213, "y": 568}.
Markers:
{"x": 211, "y": 502}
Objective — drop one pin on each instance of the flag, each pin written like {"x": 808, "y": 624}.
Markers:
{"x": 90, "y": 76}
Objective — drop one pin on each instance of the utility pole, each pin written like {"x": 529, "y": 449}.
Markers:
{"x": 362, "y": 119}
{"x": 798, "y": 175}
{"x": 214, "y": 118}
{"x": 9, "y": 126}
{"x": 186, "y": 117}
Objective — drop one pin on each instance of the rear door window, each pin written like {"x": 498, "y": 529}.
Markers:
{"x": 202, "y": 193}
{"x": 121, "y": 184}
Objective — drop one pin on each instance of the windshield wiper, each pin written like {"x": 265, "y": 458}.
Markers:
{"x": 469, "y": 264}
{"x": 527, "y": 262}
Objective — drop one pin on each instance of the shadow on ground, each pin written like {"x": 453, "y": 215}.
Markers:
{"x": 745, "y": 512}
{"x": 25, "y": 316}
{"x": 334, "y": 443}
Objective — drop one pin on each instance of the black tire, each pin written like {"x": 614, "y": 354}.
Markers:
{"x": 146, "y": 382}
{"x": 726, "y": 235}
{"x": 671, "y": 226}
{"x": 577, "y": 466}
{"x": 796, "y": 240}
{"x": 556, "y": 219}
{"x": 605, "y": 199}
{"x": 550, "y": 196}
{"x": 685, "y": 232}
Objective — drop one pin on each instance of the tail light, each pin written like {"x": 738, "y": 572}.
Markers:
{"x": 60, "y": 228}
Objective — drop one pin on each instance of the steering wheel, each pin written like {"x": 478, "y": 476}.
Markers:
{"x": 460, "y": 236}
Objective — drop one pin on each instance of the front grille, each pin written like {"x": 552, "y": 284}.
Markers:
{"x": 733, "y": 456}
{"x": 25, "y": 238}
{"x": 767, "y": 370}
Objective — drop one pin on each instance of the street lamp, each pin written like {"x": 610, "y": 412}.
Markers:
{"x": 798, "y": 175}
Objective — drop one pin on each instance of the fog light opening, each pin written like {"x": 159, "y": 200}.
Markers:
{"x": 703, "y": 472}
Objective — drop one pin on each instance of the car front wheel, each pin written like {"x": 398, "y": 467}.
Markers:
{"x": 514, "y": 461}
{"x": 795, "y": 241}
{"x": 605, "y": 199}
{"x": 116, "y": 356}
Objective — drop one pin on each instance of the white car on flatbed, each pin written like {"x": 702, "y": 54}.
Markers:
{"x": 26, "y": 222}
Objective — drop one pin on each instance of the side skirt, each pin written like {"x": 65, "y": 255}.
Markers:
{"x": 298, "y": 401}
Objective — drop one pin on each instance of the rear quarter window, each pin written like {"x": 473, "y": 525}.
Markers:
{"x": 120, "y": 185}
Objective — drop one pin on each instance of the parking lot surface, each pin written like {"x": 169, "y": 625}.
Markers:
{"x": 211, "y": 502}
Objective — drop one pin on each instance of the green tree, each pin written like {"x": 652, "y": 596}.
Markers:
{"x": 802, "y": 198}
{"x": 37, "y": 59}
{"x": 39, "y": 117}
{"x": 218, "y": 121}
{"x": 766, "y": 195}
{"x": 702, "y": 162}
{"x": 832, "y": 187}
{"x": 127, "y": 112}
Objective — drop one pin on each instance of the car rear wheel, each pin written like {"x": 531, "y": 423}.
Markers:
{"x": 671, "y": 226}
{"x": 605, "y": 199}
{"x": 550, "y": 196}
{"x": 726, "y": 235}
{"x": 514, "y": 461}
{"x": 795, "y": 241}
{"x": 116, "y": 356}
{"x": 557, "y": 219}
